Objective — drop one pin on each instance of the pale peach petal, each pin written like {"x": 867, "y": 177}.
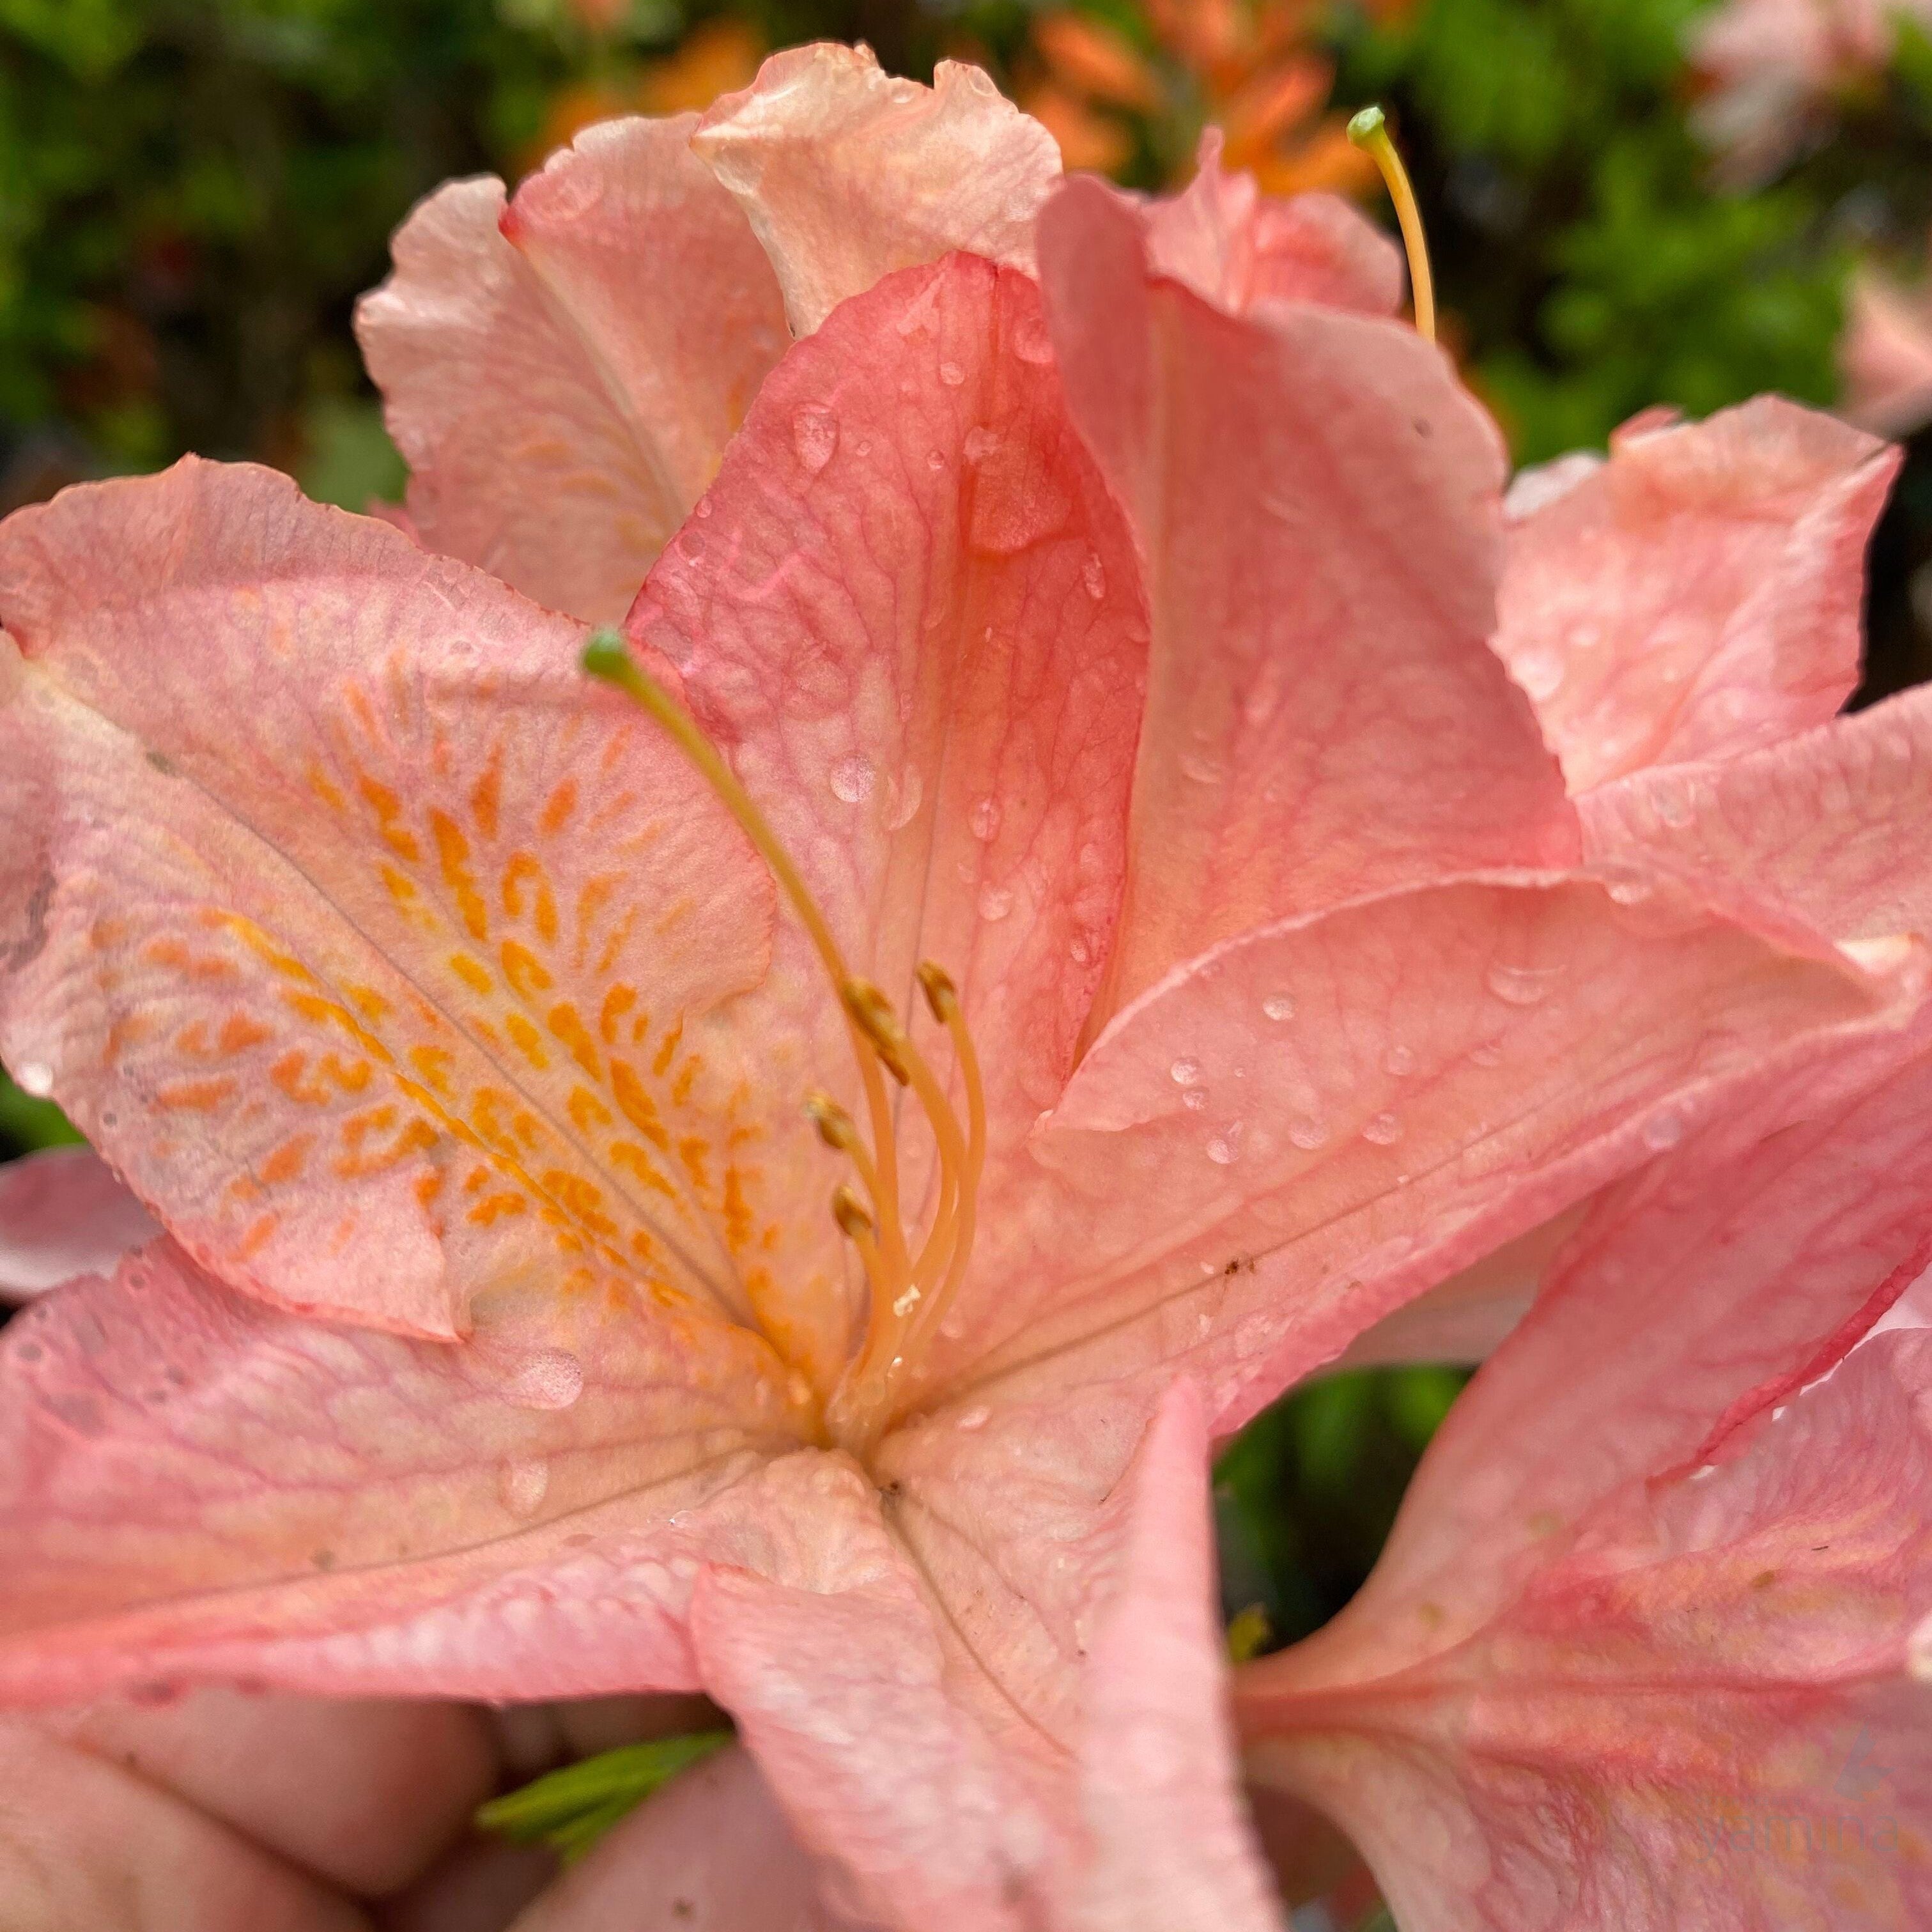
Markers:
{"x": 911, "y": 612}
{"x": 1316, "y": 503}
{"x": 1236, "y": 246}
{"x": 1647, "y": 1623}
{"x": 1699, "y": 594}
{"x": 563, "y": 373}
{"x": 1885, "y": 356}
{"x": 1167, "y": 1848}
{"x": 63, "y": 1212}
{"x": 1288, "y": 1139}
{"x": 399, "y": 985}
{"x": 1828, "y": 825}
{"x": 195, "y": 1487}
{"x": 846, "y": 174}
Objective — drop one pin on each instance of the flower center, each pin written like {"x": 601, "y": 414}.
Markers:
{"x": 908, "y": 1290}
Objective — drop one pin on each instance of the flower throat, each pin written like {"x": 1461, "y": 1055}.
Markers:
{"x": 909, "y": 1292}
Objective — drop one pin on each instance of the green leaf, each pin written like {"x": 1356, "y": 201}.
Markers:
{"x": 27, "y": 1124}
{"x": 570, "y": 1810}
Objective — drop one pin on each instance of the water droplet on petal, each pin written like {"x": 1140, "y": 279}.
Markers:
{"x": 815, "y": 436}
{"x": 935, "y": 459}
{"x": 983, "y": 820}
{"x": 1629, "y": 891}
{"x": 1031, "y": 343}
{"x": 1675, "y": 805}
{"x": 1184, "y": 1072}
{"x": 1661, "y": 1131}
{"x": 1224, "y": 1149}
{"x": 1487, "y": 1053}
{"x": 995, "y": 902}
{"x": 906, "y": 797}
{"x": 1278, "y": 1005}
{"x": 522, "y": 1486}
{"x": 852, "y": 779}
{"x": 951, "y": 374}
{"x": 35, "y": 1077}
{"x": 1586, "y": 637}
{"x": 1195, "y": 1099}
{"x": 1540, "y": 672}
{"x": 1093, "y": 575}
{"x": 1381, "y": 1129}
{"x": 980, "y": 443}
{"x": 973, "y": 1418}
{"x": 1399, "y": 1060}
{"x": 549, "y": 1379}
{"x": 1523, "y": 985}
{"x": 1307, "y": 1132}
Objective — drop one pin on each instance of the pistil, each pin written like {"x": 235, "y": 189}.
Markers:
{"x": 1369, "y": 130}
{"x": 907, "y": 1296}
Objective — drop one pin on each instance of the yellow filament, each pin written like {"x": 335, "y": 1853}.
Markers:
{"x": 605, "y": 656}
{"x": 1369, "y": 130}
{"x": 906, "y": 1308}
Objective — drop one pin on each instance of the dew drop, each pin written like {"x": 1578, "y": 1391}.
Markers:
{"x": 995, "y": 902}
{"x": 1675, "y": 806}
{"x": 1224, "y": 1149}
{"x": 1661, "y": 1131}
{"x": 1031, "y": 343}
{"x": 1399, "y": 1060}
{"x": 935, "y": 459}
{"x": 1488, "y": 1053}
{"x": 907, "y": 795}
{"x": 703, "y": 510}
{"x": 951, "y": 374}
{"x": 1278, "y": 1005}
{"x": 974, "y": 1418}
{"x": 1307, "y": 1132}
{"x": 523, "y": 1485}
{"x": 1631, "y": 891}
{"x": 983, "y": 820}
{"x": 1195, "y": 1099}
{"x": 1382, "y": 1130}
{"x": 979, "y": 444}
{"x": 1184, "y": 1072}
{"x": 1093, "y": 575}
{"x": 1540, "y": 672}
{"x": 1202, "y": 770}
{"x": 1079, "y": 952}
{"x": 815, "y": 436}
{"x": 549, "y": 1379}
{"x": 852, "y": 779}
{"x": 1586, "y": 637}
{"x": 1522, "y": 985}
{"x": 35, "y": 1077}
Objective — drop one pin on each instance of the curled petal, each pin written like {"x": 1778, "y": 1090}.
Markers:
{"x": 1315, "y": 501}
{"x": 63, "y": 1212}
{"x": 563, "y": 372}
{"x": 846, "y": 174}
{"x": 1697, "y": 596}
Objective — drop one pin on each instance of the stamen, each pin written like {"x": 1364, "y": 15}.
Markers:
{"x": 607, "y": 656}
{"x": 908, "y": 1299}
{"x": 1369, "y": 130}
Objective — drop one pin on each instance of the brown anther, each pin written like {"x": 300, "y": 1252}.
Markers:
{"x": 941, "y": 995}
{"x": 872, "y": 1014}
{"x": 835, "y": 1126}
{"x": 847, "y": 1211}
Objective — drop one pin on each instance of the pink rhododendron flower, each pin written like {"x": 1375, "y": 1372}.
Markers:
{"x": 1884, "y": 355}
{"x": 64, "y": 1213}
{"x": 1773, "y": 67}
{"x": 1080, "y": 775}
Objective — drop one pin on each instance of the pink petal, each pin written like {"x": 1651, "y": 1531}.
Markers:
{"x": 1168, "y": 1846}
{"x": 1283, "y": 1142}
{"x": 1235, "y": 247}
{"x": 386, "y": 979}
{"x": 1828, "y": 826}
{"x": 1885, "y": 356}
{"x": 911, "y": 611}
{"x": 846, "y": 174}
{"x": 1316, "y": 500}
{"x": 193, "y": 1487}
{"x": 563, "y": 373}
{"x": 64, "y": 1213}
{"x": 1655, "y": 1592}
{"x": 1699, "y": 595}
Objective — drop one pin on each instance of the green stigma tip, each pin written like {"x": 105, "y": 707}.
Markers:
{"x": 604, "y": 655}
{"x": 1366, "y": 125}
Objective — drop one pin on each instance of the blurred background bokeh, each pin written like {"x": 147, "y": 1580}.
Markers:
{"x": 1631, "y": 201}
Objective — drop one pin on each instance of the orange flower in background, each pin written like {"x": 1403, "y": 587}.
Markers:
{"x": 1249, "y": 69}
